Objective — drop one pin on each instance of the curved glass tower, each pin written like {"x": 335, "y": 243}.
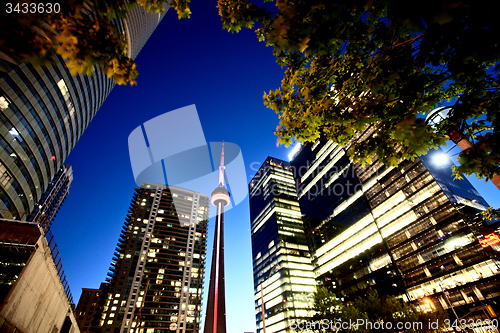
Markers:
{"x": 44, "y": 112}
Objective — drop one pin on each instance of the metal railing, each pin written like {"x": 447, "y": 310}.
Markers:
{"x": 57, "y": 261}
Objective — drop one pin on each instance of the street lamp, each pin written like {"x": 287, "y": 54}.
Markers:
{"x": 262, "y": 286}
{"x": 454, "y": 133}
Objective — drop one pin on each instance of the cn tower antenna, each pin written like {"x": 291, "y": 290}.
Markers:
{"x": 221, "y": 167}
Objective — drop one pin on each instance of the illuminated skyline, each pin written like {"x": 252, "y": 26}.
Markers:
{"x": 190, "y": 61}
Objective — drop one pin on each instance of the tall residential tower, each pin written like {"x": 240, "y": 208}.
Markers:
{"x": 156, "y": 276}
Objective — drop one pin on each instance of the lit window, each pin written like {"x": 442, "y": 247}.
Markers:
{"x": 4, "y": 104}
{"x": 62, "y": 86}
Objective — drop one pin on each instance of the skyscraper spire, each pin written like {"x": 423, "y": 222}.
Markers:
{"x": 221, "y": 167}
{"x": 215, "y": 320}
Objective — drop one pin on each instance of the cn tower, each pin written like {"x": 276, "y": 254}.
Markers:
{"x": 215, "y": 320}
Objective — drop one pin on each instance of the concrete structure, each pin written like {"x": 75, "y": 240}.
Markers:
{"x": 156, "y": 276}
{"x": 44, "y": 112}
{"x": 411, "y": 231}
{"x": 34, "y": 298}
{"x": 283, "y": 273}
{"x": 215, "y": 320}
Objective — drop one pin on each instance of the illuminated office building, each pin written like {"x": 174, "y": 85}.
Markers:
{"x": 281, "y": 260}
{"x": 156, "y": 276}
{"x": 44, "y": 112}
{"x": 410, "y": 231}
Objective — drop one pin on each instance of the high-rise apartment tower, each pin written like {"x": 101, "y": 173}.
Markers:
{"x": 156, "y": 277}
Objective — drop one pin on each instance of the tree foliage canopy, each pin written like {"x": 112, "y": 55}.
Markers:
{"x": 349, "y": 64}
{"x": 354, "y": 63}
{"x": 373, "y": 308}
{"x": 84, "y": 33}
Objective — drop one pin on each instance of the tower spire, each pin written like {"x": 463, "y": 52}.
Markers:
{"x": 221, "y": 167}
{"x": 215, "y": 320}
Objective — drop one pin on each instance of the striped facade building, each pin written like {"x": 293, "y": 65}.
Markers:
{"x": 411, "y": 231}
{"x": 284, "y": 279}
{"x": 43, "y": 113}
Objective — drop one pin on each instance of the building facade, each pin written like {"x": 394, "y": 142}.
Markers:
{"x": 90, "y": 308}
{"x": 155, "y": 281}
{"x": 410, "y": 231}
{"x": 34, "y": 293}
{"x": 43, "y": 113}
{"x": 47, "y": 207}
{"x": 283, "y": 274}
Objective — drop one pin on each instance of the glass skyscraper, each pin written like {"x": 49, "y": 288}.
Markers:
{"x": 410, "y": 231}
{"x": 283, "y": 274}
{"x": 44, "y": 112}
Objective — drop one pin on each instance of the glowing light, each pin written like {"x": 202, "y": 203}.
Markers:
{"x": 220, "y": 196}
{"x": 489, "y": 240}
{"x": 441, "y": 159}
{"x": 4, "y": 104}
{"x": 295, "y": 149}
